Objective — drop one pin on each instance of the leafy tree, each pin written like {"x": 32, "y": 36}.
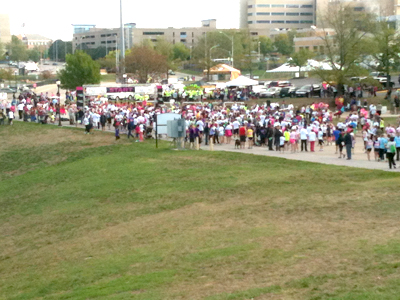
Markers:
{"x": 283, "y": 44}
{"x": 108, "y": 62}
{"x": 180, "y": 52}
{"x": 6, "y": 74}
{"x": 220, "y": 44}
{"x": 17, "y": 49}
{"x": 97, "y": 53}
{"x": 300, "y": 58}
{"x": 2, "y": 51}
{"x": 266, "y": 45}
{"x": 34, "y": 54}
{"x": 385, "y": 47}
{"x": 145, "y": 62}
{"x": 59, "y": 49}
{"x": 344, "y": 49}
{"x": 246, "y": 51}
{"x": 80, "y": 69}
{"x": 165, "y": 48}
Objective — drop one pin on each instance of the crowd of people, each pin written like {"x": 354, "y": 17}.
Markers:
{"x": 278, "y": 127}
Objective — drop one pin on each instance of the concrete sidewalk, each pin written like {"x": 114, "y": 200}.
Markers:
{"x": 327, "y": 156}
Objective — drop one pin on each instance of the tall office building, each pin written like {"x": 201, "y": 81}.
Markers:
{"x": 5, "y": 35}
{"x": 277, "y": 14}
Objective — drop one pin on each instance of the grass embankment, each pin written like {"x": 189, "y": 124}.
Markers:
{"x": 108, "y": 77}
{"x": 83, "y": 217}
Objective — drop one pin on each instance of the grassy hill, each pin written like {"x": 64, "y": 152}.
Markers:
{"x": 85, "y": 217}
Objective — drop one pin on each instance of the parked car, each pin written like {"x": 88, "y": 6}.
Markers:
{"x": 308, "y": 90}
{"x": 272, "y": 92}
{"x": 288, "y": 91}
{"x": 284, "y": 83}
{"x": 8, "y": 90}
{"x": 270, "y": 84}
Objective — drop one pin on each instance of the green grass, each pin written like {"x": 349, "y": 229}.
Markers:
{"x": 85, "y": 217}
{"x": 108, "y": 78}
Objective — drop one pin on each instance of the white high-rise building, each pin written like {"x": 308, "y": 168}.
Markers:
{"x": 277, "y": 14}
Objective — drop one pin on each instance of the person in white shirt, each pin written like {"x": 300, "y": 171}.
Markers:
{"x": 236, "y": 125}
{"x": 20, "y": 109}
{"x": 10, "y": 117}
{"x": 303, "y": 138}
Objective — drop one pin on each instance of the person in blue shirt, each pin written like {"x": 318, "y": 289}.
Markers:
{"x": 397, "y": 141}
{"x": 382, "y": 147}
{"x": 336, "y": 134}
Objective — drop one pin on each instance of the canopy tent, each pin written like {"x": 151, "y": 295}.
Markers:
{"x": 224, "y": 70}
{"x": 310, "y": 66}
{"x": 242, "y": 81}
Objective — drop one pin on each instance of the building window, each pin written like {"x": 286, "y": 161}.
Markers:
{"x": 263, "y": 21}
{"x": 183, "y": 33}
{"x": 249, "y": 6}
{"x": 306, "y": 6}
{"x": 277, "y": 21}
{"x": 277, "y": 14}
{"x": 306, "y": 14}
{"x": 249, "y": 22}
{"x": 183, "y": 40}
{"x": 292, "y": 22}
{"x": 315, "y": 48}
{"x": 277, "y": 5}
{"x": 292, "y": 6}
{"x": 153, "y": 33}
{"x": 173, "y": 34}
{"x": 153, "y": 40}
{"x": 263, "y": 5}
{"x": 250, "y": 14}
{"x": 263, "y": 14}
{"x": 254, "y": 33}
{"x": 192, "y": 34}
{"x": 292, "y": 14}
{"x": 359, "y": 8}
{"x": 307, "y": 22}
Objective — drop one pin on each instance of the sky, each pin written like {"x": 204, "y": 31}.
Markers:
{"x": 53, "y": 19}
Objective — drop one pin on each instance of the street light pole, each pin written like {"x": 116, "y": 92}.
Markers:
{"x": 122, "y": 39}
{"x": 232, "y": 38}
{"x": 213, "y": 47}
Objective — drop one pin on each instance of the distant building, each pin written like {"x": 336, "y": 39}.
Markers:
{"x": 34, "y": 40}
{"x": 5, "y": 35}
{"x": 91, "y": 37}
{"x": 277, "y": 14}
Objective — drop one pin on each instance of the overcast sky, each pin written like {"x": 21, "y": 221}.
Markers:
{"x": 53, "y": 19}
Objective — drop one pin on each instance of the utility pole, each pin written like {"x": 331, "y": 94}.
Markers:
{"x": 122, "y": 40}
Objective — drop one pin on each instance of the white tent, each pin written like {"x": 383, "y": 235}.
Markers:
{"x": 310, "y": 66}
{"x": 242, "y": 81}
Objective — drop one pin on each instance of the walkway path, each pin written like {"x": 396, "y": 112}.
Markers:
{"x": 327, "y": 156}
